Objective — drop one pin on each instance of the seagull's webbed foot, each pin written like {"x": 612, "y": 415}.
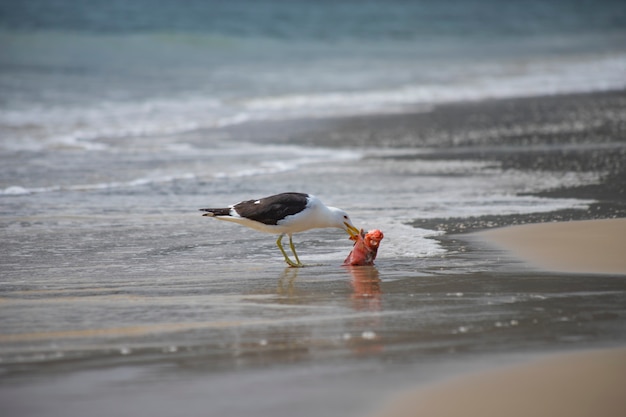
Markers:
{"x": 291, "y": 263}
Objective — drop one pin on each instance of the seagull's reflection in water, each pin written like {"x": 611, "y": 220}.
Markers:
{"x": 285, "y": 286}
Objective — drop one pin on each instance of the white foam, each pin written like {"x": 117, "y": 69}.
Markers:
{"x": 14, "y": 190}
{"x": 402, "y": 240}
{"x": 274, "y": 159}
{"x": 138, "y": 182}
{"x": 66, "y": 126}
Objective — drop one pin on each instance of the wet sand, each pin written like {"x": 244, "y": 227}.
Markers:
{"x": 592, "y": 246}
{"x": 568, "y": 385}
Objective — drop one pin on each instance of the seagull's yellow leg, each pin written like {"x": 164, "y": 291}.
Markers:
{"x": 293, "y": 250}
{"x": 280, "y": 246}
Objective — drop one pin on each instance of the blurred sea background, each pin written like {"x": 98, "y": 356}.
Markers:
{"x": 119, "y": 119}
{"x": 74, "y": 73}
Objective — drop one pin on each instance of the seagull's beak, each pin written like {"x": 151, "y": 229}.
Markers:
{"x": 352, "y": 231}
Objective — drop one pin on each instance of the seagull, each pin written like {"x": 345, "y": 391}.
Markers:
{"x": 285, "y": 214}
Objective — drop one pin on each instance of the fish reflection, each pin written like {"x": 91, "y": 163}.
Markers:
{"x": 360, "y": 333}
{"x": 366, "y": 294}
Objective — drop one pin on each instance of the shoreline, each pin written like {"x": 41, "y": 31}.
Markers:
{"x": 578, "y": 384}
{"x": 441, "y": 125}
{"x": 579, "y": 247}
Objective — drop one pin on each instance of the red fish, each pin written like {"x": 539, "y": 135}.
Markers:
{"x": 365, "y": 248}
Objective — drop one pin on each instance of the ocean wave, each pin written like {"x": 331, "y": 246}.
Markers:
{"x": 230, "y": 161}
{"x": 89, "y": 125}
{"x": 277, "y": 159}
{"x": 515, "y": 79}
{"x": 18, "y": 190}
{"x": 65, "y": 126}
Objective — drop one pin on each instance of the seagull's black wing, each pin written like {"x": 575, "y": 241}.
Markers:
{"x": 270, "y": 210}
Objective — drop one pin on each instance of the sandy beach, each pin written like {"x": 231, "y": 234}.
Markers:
{"x": 580, "y": 384}
{"x": 592, "y": 246}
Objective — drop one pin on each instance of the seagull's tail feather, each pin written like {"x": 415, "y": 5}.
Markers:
{"x": 212, "y": 212}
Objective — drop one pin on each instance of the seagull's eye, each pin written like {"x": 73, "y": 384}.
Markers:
{"x": 345, "y": 217}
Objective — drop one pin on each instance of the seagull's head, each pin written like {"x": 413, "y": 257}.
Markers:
{"x": 342, "y": 221}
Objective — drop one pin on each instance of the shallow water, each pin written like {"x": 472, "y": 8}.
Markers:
{"x": 252, "y": 338}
